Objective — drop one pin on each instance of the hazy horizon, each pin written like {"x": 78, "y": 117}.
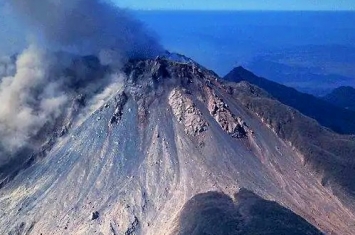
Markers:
{"x": 224, "y": 39}
{"x": 238, "y": 10}
{"x": 325, "y": 5}
{"x": 262, "y": 41}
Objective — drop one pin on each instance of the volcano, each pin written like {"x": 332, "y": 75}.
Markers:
{"x": 178, "y": 150}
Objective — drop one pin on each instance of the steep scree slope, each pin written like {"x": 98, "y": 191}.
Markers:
{"x": 173, "y": 132}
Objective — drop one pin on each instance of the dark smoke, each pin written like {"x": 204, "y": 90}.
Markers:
{"x": 88, "y": 27}
{"x": 36, "y": 87}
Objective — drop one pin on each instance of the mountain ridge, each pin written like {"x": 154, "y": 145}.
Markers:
{"x": 329, "y": 115}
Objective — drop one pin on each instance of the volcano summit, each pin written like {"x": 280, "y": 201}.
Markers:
{"x": 177, "y": 150}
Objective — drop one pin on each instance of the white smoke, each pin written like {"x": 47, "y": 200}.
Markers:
{"x": 28, "y": 99}
{"x": 116, "y": 85}
{"x": 35, "y": 89}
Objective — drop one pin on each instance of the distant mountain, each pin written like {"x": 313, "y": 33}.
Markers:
{"x": 329, "y": 115}
{"x": 343, "y": 97}
{"x": 314, "y": 69}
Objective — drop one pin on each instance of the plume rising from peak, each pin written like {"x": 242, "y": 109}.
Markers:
{"x": 88, "y": 27}
{"x": 36, "y": 87}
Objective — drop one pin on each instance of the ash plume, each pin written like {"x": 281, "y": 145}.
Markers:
{"x": 35, "y": 87}
{"x": 88, "y": 27}
{"x": 29, "y": 98}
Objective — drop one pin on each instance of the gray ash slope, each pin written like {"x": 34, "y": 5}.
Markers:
{"x": 175, "y": 142}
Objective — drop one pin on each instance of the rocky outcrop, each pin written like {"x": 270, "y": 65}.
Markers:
{"x": 133, "y": 227}
{"x": 95, "y": 215}
{"x": 187, "y": 113}
{"x": 120, "y": 101}
{"x": 220, "y": 111}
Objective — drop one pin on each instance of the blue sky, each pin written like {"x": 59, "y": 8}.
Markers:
{"x": 239, "y": 4}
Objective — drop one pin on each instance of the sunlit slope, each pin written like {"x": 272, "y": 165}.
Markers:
{"x": 172, "y": 132}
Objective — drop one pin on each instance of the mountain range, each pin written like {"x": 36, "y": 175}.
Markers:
{"x": 328, "y": 114}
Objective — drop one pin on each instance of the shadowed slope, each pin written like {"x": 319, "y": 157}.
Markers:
{"x": 343, "y": 97}
{"x": 214, "y": 213}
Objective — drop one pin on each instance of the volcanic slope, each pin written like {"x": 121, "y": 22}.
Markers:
{"x": 174, "y": 135}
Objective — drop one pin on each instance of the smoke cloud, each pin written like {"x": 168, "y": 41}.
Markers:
{"x": 88, "y": 27}
{"x": 35, "y": 88}
{"x": 28, "y": 99}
